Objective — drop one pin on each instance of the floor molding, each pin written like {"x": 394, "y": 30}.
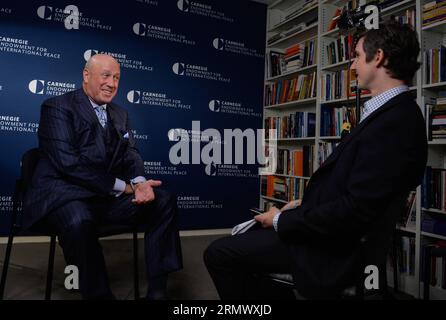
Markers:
{"x": 184, "y": 233}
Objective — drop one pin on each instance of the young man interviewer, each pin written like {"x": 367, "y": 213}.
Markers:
{"x": 382, "y": 158}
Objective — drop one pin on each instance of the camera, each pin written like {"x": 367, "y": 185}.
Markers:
{"x": 365, "y": 16}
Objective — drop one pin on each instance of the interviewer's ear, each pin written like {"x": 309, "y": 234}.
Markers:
{"x": 380, "y": 58}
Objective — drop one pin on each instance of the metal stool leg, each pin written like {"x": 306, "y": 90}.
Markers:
{"x": 395, "y": 263}
{"x": 6, "y": 263}
{"x": 49, "y": 275}
{"x": 135, "y": 264}
{"x": 427, "y": 272}
{"x": 12, "y": 232}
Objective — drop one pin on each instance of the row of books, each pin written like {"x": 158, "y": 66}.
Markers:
{"x": 287, "y": 90}
{"x": 332, "y": 119}
{"x": 297, "y": 162}
{"x": 325, "y": 149}
{"x": 438, "y": 265}
{"x": 339, "y": 85}
{"x": 434, "y": 11}
{"x": 434, "y": 223}
{"x": 435, "y": 115}
{"x": 408, "y": 218}
{"x": 433, "y": 188}
{"x": 297, "y": 56}
{"x": 435, "y": 62}
{"x": 295, "y": 125}
{"x": 310, "y": 52}
{"x": 340, "y": 49}
{"x": 405, "y": 255}
{"x": 283, "y": 188}
{"x": 407, "y": 18}
{"x": 274, "y": 64}
{"x": 293, "y": 57}
{"x": 405, "y": 251}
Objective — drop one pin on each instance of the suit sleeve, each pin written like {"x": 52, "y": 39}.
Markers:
{"x": 133, "y": 163}
{"x": 57, "y": 140}
{"x": 382, "y": 166}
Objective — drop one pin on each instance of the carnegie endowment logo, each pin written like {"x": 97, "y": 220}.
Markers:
{"x": 211, "y": 169}
{"x": 235, "y": 47}
{"x": 71, "y": 17}
{"x": 45, "y": 12}
{"x": 195, "y": 71}
{"x": 149, "y": 2}
{"x": 219, "y": 43}
{"x": 158, "y": 168}
{"x": 232, "y": 107}
{"x": 195, "y": 202}
{"x": 124, "y": 61}
{"x": 19, "y": 46}
{"x": 14, "y": 124}
{"x": 5, "y": 10}
{"x": 6, "y": 203}
{"x": 201, "y": 9}
{"x": 155, "y": 99}
{"x": 139, "y": 136}
{"x": 36, "y": 86}
{"x": 229, "y": 170}
{"x": 194, "y": 135}
{"x": 160, "y": 33}
{"x": 50, "y": 88}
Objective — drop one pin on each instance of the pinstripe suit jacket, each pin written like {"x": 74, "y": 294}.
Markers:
{"x": 73, "y": 163}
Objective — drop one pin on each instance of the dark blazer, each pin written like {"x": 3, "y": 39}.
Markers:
{"x": 73, "y": 163}
{"x": 385, "y": 155}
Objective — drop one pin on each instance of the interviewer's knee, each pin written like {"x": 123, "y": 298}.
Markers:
{"x": 215, "y": 253}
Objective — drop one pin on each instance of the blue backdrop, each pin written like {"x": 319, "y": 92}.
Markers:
{"x": 181, "y": 61}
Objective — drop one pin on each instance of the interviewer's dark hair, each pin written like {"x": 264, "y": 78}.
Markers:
{"x": 400, "y": 46}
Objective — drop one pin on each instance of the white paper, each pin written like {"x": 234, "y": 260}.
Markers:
{"x": 242, "y": 227}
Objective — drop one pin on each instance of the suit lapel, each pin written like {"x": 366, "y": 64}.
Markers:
{"x": 116, "y": 124}
{"x": 85, "y": 109}
{"x": 115, "y": 119}
{"x": 387, "y": 106}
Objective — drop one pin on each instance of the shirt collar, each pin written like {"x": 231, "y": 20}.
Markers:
{"x": 379, "y": 100}
{"x": 95, "y": 105}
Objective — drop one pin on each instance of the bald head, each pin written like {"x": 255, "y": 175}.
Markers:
{"x": 98, "y": 59}
{"x": 101, "y": 78}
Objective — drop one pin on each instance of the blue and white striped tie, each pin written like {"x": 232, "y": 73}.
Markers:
{"x": 102, "y": 115}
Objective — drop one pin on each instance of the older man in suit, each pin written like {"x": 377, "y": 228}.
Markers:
{"x": 382, "y": 159}
{"x": 91, "y": 173}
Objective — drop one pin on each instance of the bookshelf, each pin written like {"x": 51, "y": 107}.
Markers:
{"x": 431, "y": 212}
{"x": 286, "y": 27}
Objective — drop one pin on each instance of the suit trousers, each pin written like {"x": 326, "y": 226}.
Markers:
{"x": 76, "y": 226}
{"x": 234, "y": 261}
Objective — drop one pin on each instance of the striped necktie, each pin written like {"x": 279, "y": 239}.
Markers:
{"x": 102, "y": 115}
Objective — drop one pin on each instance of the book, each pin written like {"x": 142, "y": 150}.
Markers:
{"x": 334, "y": 20}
